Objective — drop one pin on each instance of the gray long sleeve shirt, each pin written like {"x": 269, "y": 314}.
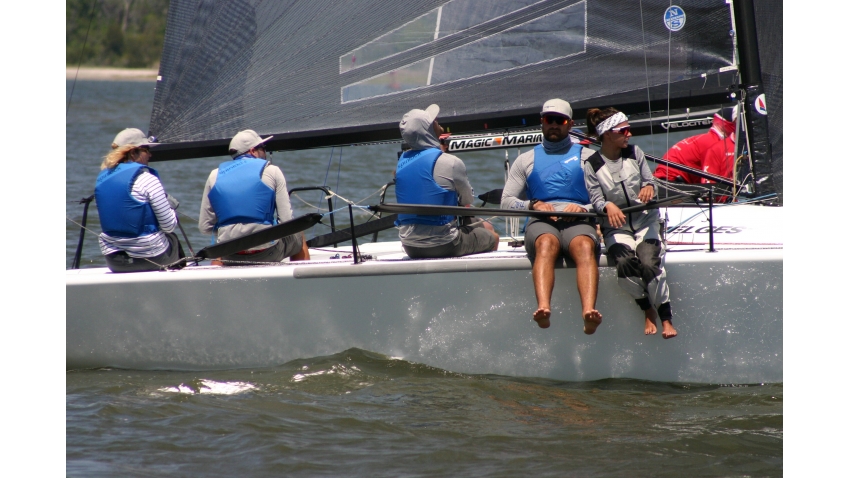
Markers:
{"x": 273, "y": 178}
{"x": 620, "y": 182}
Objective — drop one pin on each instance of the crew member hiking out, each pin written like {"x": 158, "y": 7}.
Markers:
{"x": 617, "y": 176}
{"x": 550, "y": 178}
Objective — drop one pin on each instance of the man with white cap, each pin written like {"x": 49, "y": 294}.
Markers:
{"x": 246, "y": 195}
{"x": 550, "y": 178}
{"x": 426, "y": 175}
{"x": 135, "y": 215}
{"x": 692, "y": 150}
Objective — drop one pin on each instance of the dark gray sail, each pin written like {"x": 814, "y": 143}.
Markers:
{"x": 319, "y": 73}
{"x": 768, "y": 19}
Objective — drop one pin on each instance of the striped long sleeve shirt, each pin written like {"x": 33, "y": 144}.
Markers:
{"x": 148, "y": 189}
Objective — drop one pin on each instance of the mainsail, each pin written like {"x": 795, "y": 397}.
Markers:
{"x": 328, "y": 67}
{"x": 322, "y": 72}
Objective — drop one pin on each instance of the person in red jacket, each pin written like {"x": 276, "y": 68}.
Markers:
{"x": 691, "y": 151}
{"x": 720, "y": 159}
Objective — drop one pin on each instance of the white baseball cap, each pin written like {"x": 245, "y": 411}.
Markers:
{"x": 557, "y": 107}
{"x": 132, "y": 137}
{"x": 245, "y": 140}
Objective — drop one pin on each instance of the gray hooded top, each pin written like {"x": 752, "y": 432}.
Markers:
{"x": 449, "y": 172}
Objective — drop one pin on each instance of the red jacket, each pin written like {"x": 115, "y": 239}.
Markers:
{"x": 720, "y": 159}
{"x": 690, "y": 152}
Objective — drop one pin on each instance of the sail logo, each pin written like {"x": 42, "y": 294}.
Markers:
{"x": 760, "y": 105}
{"x": 686, "y": 123}
{"x": 705, "y": 229}
{"x": 674, "y": 18}
{"x": 494, "y": 142}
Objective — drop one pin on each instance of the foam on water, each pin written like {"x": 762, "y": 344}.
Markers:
{"x": 210, "y": 387}
{"x": 335, "y": 369}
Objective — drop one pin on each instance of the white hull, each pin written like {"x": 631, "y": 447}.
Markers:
{"x": 470, "y": 315}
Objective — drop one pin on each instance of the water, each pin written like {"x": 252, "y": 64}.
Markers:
{"x": 357, "y": 413}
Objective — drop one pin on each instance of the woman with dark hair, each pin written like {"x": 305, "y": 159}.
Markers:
{"x": 136, "y": 215}
{"x": 616, "y": 177}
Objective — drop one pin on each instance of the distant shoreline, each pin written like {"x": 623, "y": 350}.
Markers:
{"x": 110, "y": 74}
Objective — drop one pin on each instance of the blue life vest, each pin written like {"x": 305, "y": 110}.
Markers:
{"x": 414, "y": 184}
{"x": 239, "y": 195}
{"x": 122, "y": 215}
{"x": 558, "y": 177}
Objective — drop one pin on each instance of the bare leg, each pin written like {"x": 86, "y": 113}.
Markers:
{"x": 304, "y": 253}
{"x": 668, "y": 332}
{"x": 582, "y": 250}
{"x": 650, "y": 322}
{"x": 547, "y": 248}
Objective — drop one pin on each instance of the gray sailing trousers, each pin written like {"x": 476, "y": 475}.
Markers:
{"x": 639, "y": 259}
{"x": 121, "y": 262}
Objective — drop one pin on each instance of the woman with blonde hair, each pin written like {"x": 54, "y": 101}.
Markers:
{"x": 617, "y": 177}
{"x": 136, "y": 216}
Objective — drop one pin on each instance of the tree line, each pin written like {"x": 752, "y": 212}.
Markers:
{"x": 121, "y": 33}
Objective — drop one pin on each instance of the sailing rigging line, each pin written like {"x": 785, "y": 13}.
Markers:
{"x": 80, "y": 61}
{"x": 165, "y": 267}
{"x": 327, "y": 171}
{"x": 646, "y": 75}
{"x": 704, "y": 209}
{"x": 669, "y": 68}
{"x": 338, "y": 169}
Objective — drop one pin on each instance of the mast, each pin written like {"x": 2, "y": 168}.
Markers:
{"x": 752, "y": 91}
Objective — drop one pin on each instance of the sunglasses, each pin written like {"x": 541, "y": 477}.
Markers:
{"x": 623, "y": 130}
{"x": 559, "y": 120}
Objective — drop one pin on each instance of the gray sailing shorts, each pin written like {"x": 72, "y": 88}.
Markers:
{"x": 469, "y": 240}
{"x": 565, "y": 231}
{"x": 286, "y": 247}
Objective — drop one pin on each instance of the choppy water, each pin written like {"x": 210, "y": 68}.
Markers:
{"x": 361, "y": 414}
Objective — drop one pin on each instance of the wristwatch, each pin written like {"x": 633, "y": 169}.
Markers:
{"x": 532, "y": 203}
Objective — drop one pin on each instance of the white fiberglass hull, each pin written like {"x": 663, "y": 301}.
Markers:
{"x": 470, "y": 315}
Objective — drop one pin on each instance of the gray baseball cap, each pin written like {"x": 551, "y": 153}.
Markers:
{"x": 245, "y": 140}
{"x": 557, "y": 107}
{"x": 132, "y": 137}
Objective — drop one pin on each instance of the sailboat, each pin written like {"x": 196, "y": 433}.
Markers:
{"x": 319, "y": 74}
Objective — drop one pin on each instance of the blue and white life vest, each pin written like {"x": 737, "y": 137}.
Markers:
{"x": 414, "y": 184}
{"x": 122, "y": 215}
{"x": 558, "y": 177}
{"x": 239, "y": 195}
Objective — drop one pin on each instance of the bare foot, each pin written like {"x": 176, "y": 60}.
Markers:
{"x": 650, "y": 324}
{"x": 541, "y": 316}
{"x": 668, "y": 331}
{"x": 592, "y": 319}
